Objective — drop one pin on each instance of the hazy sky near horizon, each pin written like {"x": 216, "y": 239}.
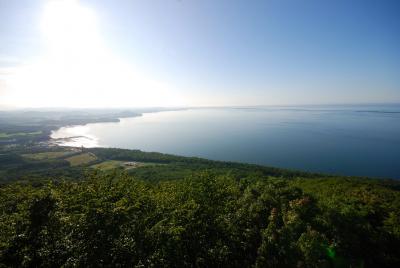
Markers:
{"x": 125, "y": 53}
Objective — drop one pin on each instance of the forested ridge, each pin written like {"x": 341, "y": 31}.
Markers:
{"x": 76, "y": 207}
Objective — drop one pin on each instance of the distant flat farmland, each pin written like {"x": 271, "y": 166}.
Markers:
{"x": 109, "y": 164}
{"x": 81, "y": 159}
{"x": 47, "y": 155}
{"x": 112, "y": 164}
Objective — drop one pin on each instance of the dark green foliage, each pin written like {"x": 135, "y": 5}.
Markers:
{"x": 190, "y": 212}
{"x": 203, "y": 220}
{"x": 365, "y": 214}
{"x": 15, "y": 168}
{"x": 179, "y": 167}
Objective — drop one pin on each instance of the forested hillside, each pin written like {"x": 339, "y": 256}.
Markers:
{"x": 170, "y": 211}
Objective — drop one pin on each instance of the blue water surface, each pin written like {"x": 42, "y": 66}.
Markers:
{"x": 359, "y": 140}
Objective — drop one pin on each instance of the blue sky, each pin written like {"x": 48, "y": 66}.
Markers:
{"x": 211, "y": 52}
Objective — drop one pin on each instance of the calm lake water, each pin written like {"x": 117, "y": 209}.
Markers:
{"x": 357, "y": 140}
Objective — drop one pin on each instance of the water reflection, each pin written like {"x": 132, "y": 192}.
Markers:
{"x": 75, "y": 136}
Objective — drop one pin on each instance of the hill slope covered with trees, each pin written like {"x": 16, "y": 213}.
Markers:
{"x": 188, "y": 212}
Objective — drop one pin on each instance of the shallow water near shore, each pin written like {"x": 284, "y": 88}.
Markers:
{"x": 347, "y": 140}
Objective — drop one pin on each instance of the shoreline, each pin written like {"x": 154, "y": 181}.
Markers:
{"x": 53, "y": 141}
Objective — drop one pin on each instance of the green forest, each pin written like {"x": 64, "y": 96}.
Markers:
{"x": 159, "y": 210}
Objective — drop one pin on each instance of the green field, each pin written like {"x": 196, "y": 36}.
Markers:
{"x": 109, "y": 164}
{"x": 81, "y": 159}
{"x": 18, "y": 134}
{"x": 113, "y": 164}
{"x": 47, "y": 155}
